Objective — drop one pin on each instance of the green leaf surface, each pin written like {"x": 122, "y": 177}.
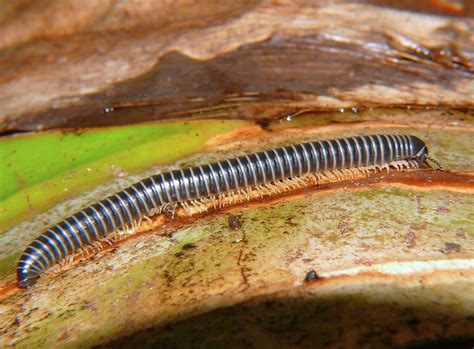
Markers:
{"x": 38, "y": 170}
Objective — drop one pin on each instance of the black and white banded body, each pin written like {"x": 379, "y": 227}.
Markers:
{"x": 126, "y": 208}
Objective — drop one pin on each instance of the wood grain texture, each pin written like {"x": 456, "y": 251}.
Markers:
{"x": 105, "y": 63}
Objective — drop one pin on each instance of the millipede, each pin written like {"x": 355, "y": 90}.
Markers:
{"x": 232, "y": 180}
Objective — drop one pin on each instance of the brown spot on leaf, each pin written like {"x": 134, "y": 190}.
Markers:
{"x": 344, "y": 228}
{"x": 234, "y": 222}
{"x": 410, "y": 239}
{"x": 188, "y": 246}
{"x": 450, "y": 247}
{"x": 179, "y": 254}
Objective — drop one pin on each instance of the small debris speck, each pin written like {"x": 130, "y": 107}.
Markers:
{"x": 344, "y": 228}
{"x": 188, "y": 246}
{"x": 450, "y": 247}
{"x": 410, "y": 239}
{"x": 234, "y": 222}
{"x": 311, "y": 276}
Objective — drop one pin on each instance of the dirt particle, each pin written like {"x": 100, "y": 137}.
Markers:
{"x": 234, "y": 222}
{"x": 450, "y": 247}
{"x": 311, "y": 276}
{"x": 344, "y": 228}
{"x": 188, "y": 246}
{"x": 289, "y": 221}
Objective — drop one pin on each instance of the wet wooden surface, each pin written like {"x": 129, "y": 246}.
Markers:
{"x": 102, "y": 63}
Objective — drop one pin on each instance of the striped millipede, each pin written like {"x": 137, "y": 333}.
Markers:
{"x": 236, "y": 175}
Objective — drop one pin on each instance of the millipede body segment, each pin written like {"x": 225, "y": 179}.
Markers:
{"x": 237, "y": 175}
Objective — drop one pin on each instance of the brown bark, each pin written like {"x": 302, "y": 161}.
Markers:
{"x": 76, "y": 64}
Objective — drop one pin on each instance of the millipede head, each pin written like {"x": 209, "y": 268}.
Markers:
{"x": 423, "y": 158}
{"x": 421, "y": 153}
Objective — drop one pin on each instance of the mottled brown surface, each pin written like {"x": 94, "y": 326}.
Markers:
{"x": 103, "y": 63}
{"x": 321, "y": 314}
